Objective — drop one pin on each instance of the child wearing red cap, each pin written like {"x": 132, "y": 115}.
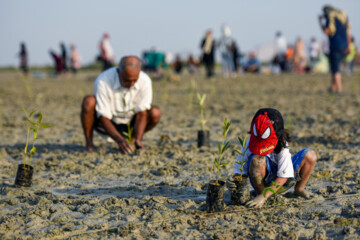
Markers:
{"x": 268, "y": 159}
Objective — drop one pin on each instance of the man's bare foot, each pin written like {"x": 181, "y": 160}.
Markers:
{"x": 305, "y": 194}
{"x": 89, "y": 148}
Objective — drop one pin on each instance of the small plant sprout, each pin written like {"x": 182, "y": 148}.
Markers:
{"x": 201, "y": 99}
{"x": 242, "y": 152}
{"x": 130, "y": 129}
{"x": 34, "y": 127}
{"x": 221, "y": 148}
{"x": 129, "y": 132}
{"x": 192, "y": 91}
{"x": 274, "y": 191}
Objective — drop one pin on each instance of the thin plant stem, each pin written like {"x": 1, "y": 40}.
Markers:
{"x": 202, "y": 117}
{"x": 26, "y": 145}
{"x": 33, "y": 145}
{"x": 219, "y": 166}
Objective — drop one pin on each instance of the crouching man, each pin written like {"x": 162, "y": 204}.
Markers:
{"x": 122, "y": 96}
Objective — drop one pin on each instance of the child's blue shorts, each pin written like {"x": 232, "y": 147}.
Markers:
{"x": 272, "y": 169}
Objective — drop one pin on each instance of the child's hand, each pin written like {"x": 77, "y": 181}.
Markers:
{"x": 230, "y": 184}
{"x": 257, "y": 202}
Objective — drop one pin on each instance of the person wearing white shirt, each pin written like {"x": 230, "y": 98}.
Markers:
{"x": 268, "y": 159}
{"x": 122, "y": 95}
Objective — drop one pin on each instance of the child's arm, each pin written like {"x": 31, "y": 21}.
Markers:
{"x": 259, "y": 201}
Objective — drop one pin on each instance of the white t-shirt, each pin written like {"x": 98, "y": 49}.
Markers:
{"x": 280, "y": 45}
{"x": 282, "y": 160}
{"x": 109, "y": 52}
{"x": 117, "y": 103}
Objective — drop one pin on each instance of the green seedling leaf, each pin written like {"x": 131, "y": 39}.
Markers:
{"x": 225, "y": 147}
{"x": 224, "y": 164}
{"x": 216, "y": 162}
{"x": 238, "y": 151}
{"x": 240, "y": 141}
{"x": 45, "y": 126}
{"x": 33, "y": 150}
{"x": 32, "y": 122}
{"x": 268, "y": 189}
{"x": 238, "y": 162}
{"x": 244, "y": 142}
{"x": 40, "y": 118}
{"x": 32, "y": 113}
{"x": 219, "y": 147}
{"x": 27, "y": 114}
{"x": 34, "y": 133}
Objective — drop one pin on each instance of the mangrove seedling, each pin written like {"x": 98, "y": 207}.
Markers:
{"x": 129, "y": 132}
{"x": 201, "y": 99}
{"x": 130, "y": 129}
{"x": 242, "y": 152}
{"x": 33, "y": 126}
{"x": 274, "y": 191}
{"x": 221, "y": 148}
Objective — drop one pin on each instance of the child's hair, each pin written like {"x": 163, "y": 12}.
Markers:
{"x": 283, "y": 139}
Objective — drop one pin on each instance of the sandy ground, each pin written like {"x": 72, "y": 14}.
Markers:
{"x": 160, "y": 193}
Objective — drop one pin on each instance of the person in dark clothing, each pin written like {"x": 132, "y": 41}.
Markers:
{"x": 23, "y": 59}
{"x": 63, "y": 57}
{"x": 59, "y": 67}
{"x": 178, "y": 65}
{"x": 235, "y": 55}
{"x": 208, "y": 49}
{"x": 337, "y": 27}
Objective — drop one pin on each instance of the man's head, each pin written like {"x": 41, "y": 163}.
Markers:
{"x": 267, "y": 127}
{"x": 129, "y": 69}
{"x": 208, "y": 33}
{"x": 252, "y": 54}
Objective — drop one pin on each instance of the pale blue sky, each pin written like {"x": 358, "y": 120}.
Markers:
{"x": 175, "y": 26}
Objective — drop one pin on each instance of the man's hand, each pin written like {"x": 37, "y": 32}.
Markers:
{"x": 139, "y": 145}
{"x": 125, "y": 147}
{"x": 257, "y": 202}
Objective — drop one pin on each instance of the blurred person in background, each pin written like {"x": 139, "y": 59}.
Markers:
{"x": 335, "y": 24}
{"x": 23, "y": 55}
{"x": 235, "y": 56}
{"x": 106, "y": 52}
{"x": 280, "y": 46}
{"x": 299, "y": 56}
{"x": 350, "y": 57}
{"x": 177, "y": 64}
{"x": 314, "y": 51}
{"x": 58, "y": 65}
{"x": 253, "y": 65}
{"x": 224, "y": 44}
{"x": 63, "y": 57}
{"x": 208, "y": 50}
{"x": 192, "y": 65}
{"x": 74, "y": 59}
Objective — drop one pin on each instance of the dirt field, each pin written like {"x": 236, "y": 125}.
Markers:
{"x": 160, "y": 192}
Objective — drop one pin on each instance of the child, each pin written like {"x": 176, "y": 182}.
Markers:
{"x": 269, "y": 159}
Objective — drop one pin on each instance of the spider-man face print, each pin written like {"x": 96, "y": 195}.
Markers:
{"x": 263, "y": 137}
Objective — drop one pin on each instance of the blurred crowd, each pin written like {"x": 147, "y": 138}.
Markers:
{"x": 298, "y": 56}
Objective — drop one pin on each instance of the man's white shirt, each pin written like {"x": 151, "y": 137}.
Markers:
{"x": 117, "y": 103}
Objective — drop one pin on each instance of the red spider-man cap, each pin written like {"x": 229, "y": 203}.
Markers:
{"x": 266, "y": 126}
